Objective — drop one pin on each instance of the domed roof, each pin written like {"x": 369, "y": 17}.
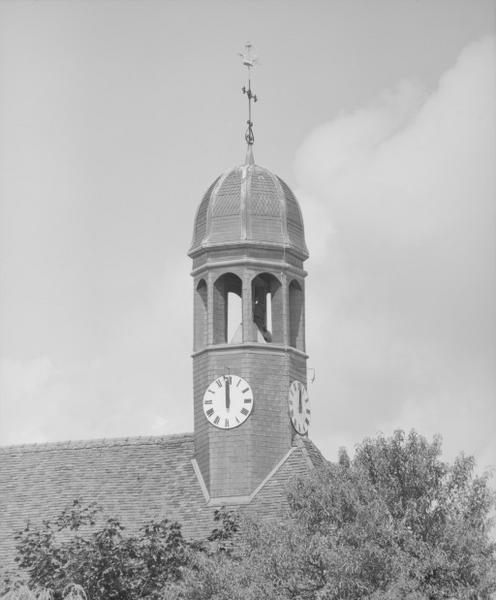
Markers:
{"x": 249, "y": 204}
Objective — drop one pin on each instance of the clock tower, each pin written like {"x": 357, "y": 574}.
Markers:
{"x": 249, "y": 360}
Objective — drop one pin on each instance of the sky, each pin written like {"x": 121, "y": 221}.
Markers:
{"x": 116, "y": 116}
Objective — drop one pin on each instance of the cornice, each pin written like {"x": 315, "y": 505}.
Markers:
{"x": 253, "y": 347}
{"x": 247, "y": 261}
{"x": 287, "y": 249}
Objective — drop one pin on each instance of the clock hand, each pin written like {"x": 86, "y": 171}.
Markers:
{"x": 300, "y": 405}
{"x": 228, "y": 392}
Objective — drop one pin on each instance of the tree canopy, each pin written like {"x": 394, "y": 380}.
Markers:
{"x": 102, "y": 559}
{"x": 394, "y": 522}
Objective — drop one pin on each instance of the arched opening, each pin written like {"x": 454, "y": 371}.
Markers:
{"x": 200, "y": 308}
{"x": 227, "y": 309}
{"x": 267, "y": 308}
{"x": 296, "y": 315}
{"x": 234, "y": 318}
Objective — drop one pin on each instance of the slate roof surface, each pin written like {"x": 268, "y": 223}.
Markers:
{"x": 252, "y": 205}
{"x": 314, "y": 454}
{"x": 133, "y": 479}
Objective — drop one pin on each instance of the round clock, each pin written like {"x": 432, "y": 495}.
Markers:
{"x": 228, "y": 401}
{"x": 299, "y": 407}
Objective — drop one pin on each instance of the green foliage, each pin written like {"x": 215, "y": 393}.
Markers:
{"x": 394, "y": 523}
{"x": 223, "y": 536}
{"x": 104, "y": 561}
{"x": 22, "y": 592}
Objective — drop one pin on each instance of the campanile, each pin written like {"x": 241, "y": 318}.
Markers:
{"x": 249, "y": 359}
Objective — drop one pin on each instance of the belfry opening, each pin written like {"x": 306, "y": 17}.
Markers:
{"x": 267, "y": 308}
{"x": 226, "y": 309}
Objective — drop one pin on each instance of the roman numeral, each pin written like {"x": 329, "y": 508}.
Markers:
{"x": 210, "y": 412}
{"x": 219, "y": 382}
{"x": 244, "y": 411}
{"x": 245, "y": 390}
{"x": 211, "y": 391}
{"x": 216, "y": 420}
{"x": 208, "y": 402}
{"x": 226, "y": 423}
{"x": 239, "y": 381}
{"x": 248, "y": 400}
{"x": 307, "y": 422}
{"x": 237, "y": 420}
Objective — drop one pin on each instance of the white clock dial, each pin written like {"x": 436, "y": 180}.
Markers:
{"x": 299, "y": 407}
{"x": 228, "y": 401}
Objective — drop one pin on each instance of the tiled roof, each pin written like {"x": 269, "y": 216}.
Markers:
{"x": 133, "y": 479}
{"x": 249, "y": 204}
{"x": 315, "y": 456}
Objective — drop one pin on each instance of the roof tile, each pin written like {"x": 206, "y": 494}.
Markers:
{"x": 132, "y": 479}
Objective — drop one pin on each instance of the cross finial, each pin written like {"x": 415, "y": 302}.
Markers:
{"x": 249, "y": 61}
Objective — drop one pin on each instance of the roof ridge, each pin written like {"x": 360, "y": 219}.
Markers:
{"x": 97, "y": 443}
{"x": 311, "y": 448}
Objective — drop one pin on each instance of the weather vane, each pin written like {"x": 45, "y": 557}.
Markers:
{"x": 249, "y": 62}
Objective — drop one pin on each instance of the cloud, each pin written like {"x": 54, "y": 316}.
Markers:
{"x": 400, "y": 198}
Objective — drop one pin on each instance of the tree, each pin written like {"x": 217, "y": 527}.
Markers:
{"x": 393, "y": 523}
{"x": 104, "y": 561}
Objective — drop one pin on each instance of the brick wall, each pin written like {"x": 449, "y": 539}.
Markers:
{"x": 234, "y": 462}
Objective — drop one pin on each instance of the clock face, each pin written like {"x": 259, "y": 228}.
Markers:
{"x": 299, "y": 407}
{"x": 228, "y": 401}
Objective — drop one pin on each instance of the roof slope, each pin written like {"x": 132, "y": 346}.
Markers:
{"x": 132, "y": 479}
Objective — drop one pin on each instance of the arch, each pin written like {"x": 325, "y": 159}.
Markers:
{"x": 234, "y": 318}
{"x": 227, "y": 309}
{"x": 201, "y": 315}
{"x": 267, "y": 300}
{"x": 296, "y": 305}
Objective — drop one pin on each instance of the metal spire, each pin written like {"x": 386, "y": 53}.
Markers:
{"x": 249, "y": 62}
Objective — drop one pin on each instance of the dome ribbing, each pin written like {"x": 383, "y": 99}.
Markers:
{"x": 249, "y": 205}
